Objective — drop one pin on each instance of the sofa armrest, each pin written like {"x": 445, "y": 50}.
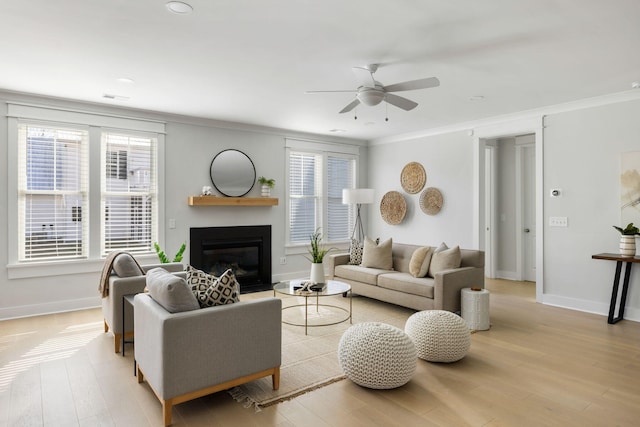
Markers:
{"x": 192, "y": 350}
{"x": 336, "y": 259}
{"x": 112, "y": 303}
{"x": 170, "y": 267}
{"x": 449, "y": 283}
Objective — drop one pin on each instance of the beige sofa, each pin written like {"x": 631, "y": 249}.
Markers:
{"x": 398, "y": 286}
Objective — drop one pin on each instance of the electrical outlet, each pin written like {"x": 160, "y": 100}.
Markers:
{"x": 283, "y": 260}
{"x": 558, "y": 221}
{"x": 172, "y": 223}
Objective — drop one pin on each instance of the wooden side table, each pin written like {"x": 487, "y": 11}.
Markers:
{"x": 616, "y": 283}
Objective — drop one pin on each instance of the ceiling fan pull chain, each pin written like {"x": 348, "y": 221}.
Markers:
{"x": 386, "y": 111}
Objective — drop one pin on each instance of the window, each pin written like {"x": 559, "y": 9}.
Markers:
{"x": 52, "y": 192}
{"x": 315, "y": 183}
{"x": 81, "y": 184}
{"x": 129, "y": 193}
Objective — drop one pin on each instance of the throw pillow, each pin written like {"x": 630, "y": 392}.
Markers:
{"x": 420, "y": 260}
{"x": 355, "y": 253}
{"x": 226, "y": 290}
{"x": 445, "y": 259}
{"x": 125, "y": 266}
{"x": 199, "y": 281}
{"x": 377, "y": 255}
{"x": 171, "y": 292}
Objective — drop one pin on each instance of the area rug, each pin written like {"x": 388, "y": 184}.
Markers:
{"x": 310, "y": 361}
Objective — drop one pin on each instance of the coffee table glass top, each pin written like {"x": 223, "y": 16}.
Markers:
{"x": 332, "y": 287}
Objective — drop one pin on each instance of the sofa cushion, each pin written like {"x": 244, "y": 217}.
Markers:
{"x": 170, "y": 291}
{"x": 355, "y": 252}
{"x": 125, "y": 266}
{"x": 420, "y": 260}
{"x": 358, "y": 273}
{"x": 225, "y": 290}
{"x": 405, "y": 282}
{"x": 445, "y": 259}
{"x": 377, "y": 255}
{"x": 199, "y": 281}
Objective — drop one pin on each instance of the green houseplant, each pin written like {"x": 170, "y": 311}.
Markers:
{"x": 163, "y": 257}
{"x": 317, "y": 252}
{"x": 628, "y": 239}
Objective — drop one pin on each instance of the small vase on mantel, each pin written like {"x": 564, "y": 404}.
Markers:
{"x": 266, "y": 191}
{"x": 317, "y": 273}
{"x": 628, "y": 246}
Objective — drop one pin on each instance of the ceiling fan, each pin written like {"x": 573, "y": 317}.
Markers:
{"x": 371, "y": 92}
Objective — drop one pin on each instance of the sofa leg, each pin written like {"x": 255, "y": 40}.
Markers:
{"x": 106, "y": 326}
{"x": 117, "y": 340}
{"x": 167, "y": 405}
{"x": 275, "y": 378}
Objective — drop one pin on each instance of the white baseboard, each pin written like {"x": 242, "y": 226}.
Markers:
{"x": 587, "y": 306}
{"x": 507, "y": 275}
{"x": 49, "y": 308}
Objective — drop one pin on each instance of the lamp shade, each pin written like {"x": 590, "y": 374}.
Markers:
{"x": 357, "y": 196}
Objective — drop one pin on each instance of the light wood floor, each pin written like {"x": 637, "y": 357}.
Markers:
{"x": 536, "y": 366}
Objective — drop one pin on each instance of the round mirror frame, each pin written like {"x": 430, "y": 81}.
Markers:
{"x": 240, "y": 170}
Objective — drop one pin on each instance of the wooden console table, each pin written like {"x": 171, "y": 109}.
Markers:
{"x": 616, "y": 283}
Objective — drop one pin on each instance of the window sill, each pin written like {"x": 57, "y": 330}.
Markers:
{"x": 61, "y": 268}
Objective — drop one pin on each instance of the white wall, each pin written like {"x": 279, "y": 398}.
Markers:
{"x": 449, "y": 163}
{"x": 190, "y": 145}
{"x": 582, "y": 152}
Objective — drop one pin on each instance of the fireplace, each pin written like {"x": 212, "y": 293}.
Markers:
{"x": 244, "y": 249}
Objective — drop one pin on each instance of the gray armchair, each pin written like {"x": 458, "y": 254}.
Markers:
{"x": 112, "y": 303}
{"x": 190, "y": 354}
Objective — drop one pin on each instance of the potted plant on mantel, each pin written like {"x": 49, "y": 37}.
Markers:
{"x": 628, "y": 239}
{"x": 267, "y": 184}
{"x": 317, "y": 252}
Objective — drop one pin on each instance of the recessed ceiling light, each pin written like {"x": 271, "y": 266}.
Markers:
{"x": 125, "y": 80}
{"x": 179, "y": 7}
{"x": 337, "y": 130}
{"x": 476, "y": 98}
{"x": 115, "y": 97}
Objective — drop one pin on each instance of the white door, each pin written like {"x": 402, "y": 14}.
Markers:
{"x": 529, "y": 212}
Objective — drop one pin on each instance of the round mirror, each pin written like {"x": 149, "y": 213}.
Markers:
{"x": 233, "y": 173}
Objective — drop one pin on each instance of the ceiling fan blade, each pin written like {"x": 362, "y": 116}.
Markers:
{"x": 328, "y": 91}
{"x": 413, "y": 84}
{"x": 351, "y": 106}
{"x": 400, "y": 102}
{"x": 364, "y": 77}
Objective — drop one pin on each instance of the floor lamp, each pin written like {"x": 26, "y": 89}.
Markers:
{"x": 358, "y": 197}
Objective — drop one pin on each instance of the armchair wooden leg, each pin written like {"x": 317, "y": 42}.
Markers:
{"x": 167, "y": 405}
{"x": 139, "y": 374}
{"x": 117, "y": 340}
{"x": 106, "y": 326}
{"x": 275, "y": 378}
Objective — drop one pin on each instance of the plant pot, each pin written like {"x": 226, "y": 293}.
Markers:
{"x": 628, "y": 245}
{"x": 317, "y": 273}
{"x": 266, "y": 191}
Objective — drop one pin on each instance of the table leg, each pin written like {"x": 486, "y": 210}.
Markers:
{"x": 350, "y": 306}
{"x": 306, "y": 313}
{"x": 123, "y": 327}
{"x": 614, "y": 294}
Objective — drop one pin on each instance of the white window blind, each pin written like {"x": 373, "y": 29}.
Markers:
{"x": 52, "y": 192}
{"x": 128, "y": 192}
{"x": 304, "y": 195}
{"x": 340, "y": 174}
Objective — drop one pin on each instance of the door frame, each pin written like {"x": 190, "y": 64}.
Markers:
{"x": 533, "y": 125}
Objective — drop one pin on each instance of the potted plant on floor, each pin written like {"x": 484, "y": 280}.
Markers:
{"x": 267, "y": 184}
{"x": 628, "y": 239}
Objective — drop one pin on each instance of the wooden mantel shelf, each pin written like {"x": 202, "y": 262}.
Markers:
{"x": 232, "y": 201}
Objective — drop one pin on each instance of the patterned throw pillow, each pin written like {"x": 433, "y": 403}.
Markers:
{"x": 355, "y": 253}
{"x": 199, "y": 281}
{"x": 226, "y": 290}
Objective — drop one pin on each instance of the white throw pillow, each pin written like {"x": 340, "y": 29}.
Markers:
{"x": 377, "y": 255}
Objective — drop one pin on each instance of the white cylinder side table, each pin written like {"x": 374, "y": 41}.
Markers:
{"x": 475, "y": 308}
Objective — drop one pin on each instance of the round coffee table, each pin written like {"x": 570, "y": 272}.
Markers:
{"x": 330, "y": 288}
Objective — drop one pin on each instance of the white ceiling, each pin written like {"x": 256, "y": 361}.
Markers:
{"x": 251, "y": 61}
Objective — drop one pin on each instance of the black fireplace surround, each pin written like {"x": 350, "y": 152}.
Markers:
{"x": 244, "y": 249}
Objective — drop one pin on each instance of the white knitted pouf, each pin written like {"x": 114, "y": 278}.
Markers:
{"x": 377, "y": 355}
{"x": 439, "y": 336}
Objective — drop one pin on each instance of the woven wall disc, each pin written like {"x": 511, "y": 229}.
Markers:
{"x": 413, "y": 177}
{"x": 393, "y": 207}
{"x": 431, "y": 201}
